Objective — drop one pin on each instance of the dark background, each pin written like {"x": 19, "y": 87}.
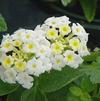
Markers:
{"x": 29, "y": 13}
{"x": 22, "y": 13}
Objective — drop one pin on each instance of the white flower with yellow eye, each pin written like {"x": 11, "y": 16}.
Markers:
{"x": 64, "y": 29}
{"x": 7, "y": 61}
{"x": 25, "y": 80}
{"x": 55, "y": 22}
{"x": 52, "y": 21}
{"x": 43, "y": 51}
{"x": 52, "y": 34}
{"x": 64, "y": 20}
{"x": 30, "y": 47}
{"x": 28, "y": 36}
{"x": 83, "y": 50}
{"x": 57, "y": 48}
{"x": 34, "y": 67}
{"x": 46, "y": 62}
{"x": 17, "y": 43}
{"x": 71, "y": 59}
{"x": 6, "y": 46}
{"x": 10, "y": 75}
{"x": 20, "y": 65}
{"x": 74, "y": 43}
{"x": 44, "y": 42}
{"x": 78, "y": 30}
{"x": 18, "y": 34}
{"x": 58, "y": 62}
{"x": 39, "y": 33}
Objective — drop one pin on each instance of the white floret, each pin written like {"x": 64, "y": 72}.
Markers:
{"x": 43, "y": 51}
{"x": 25, "y": 80}
{"x": 83, "y": 50}
{"x": 34, "y": 67}
{"x": 78, "y": 30}
{"x": 71, "y": 59}
{"x": 58, "y": 62}
{"x": 10, "y": 75}
{"x": 46, "y": 62}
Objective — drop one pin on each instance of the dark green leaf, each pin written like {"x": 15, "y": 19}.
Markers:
{"x": 7, "y": 88}
{"x": 71, "y": 97}
{"x": 76, "y": 91}
{"x": 85, "y": 97}
{"x": 92, "y": 56}
{"x": 60, "y": 95}
{"x": 92, "y": 70}
{"x": 98, "y": 59}
{"x": 33, "y": 94}
{"x": 89, "y": 8}
{"x": 3, "y": 26}
{"x": 55, "y": 80}
{"x": 86, "y": 84}
{"x": 15, "y": 96}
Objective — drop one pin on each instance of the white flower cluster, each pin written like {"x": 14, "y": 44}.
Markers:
{"x": 29, "y": 53}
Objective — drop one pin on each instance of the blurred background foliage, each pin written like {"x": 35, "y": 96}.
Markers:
{"x": 88, "y": 6}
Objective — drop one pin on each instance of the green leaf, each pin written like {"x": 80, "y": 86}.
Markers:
{"x": 76, "y": 91}
{"x": 98, "y": 59}
{"x": 89, "y": 8}
{"x": 15, "y": 96}
{"x": 6, "y": 88}
{"x": 60, "y": 95}
{"x": 92, "y": 56}
{"x": 3, "y": 25}
{"x": 85, "y": 97}
{"x": 71, "y": 97}
{"x": 55, "y": 80}
{"x": 92, "y": 70}
{"x": 33, "y": 94}
{"x": 66, "y": 2}
{"x": 86, "y": 84}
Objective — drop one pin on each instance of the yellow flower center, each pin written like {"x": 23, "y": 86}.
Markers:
{"x": 58, "y": 61}
{"x": 27, "y": 36}
{"x": 7, "y": 45}
{"x": 57, "y": 48}
{"x": 7, "y": 62}
{"x": 65, "y": 29}
{"x": 69, "y": 58}
{"x": 30, "y": 46}
{"x": 34, "y": 65}
{"x": 42, "y": 51}
{"x": 20, "y": 65}
{"x": 53, "y": 22}
{"x": 78, "y": 30}
{"x": 74, "y": 43}
{"x": 17, "y": 43}
{"x": 51, "y": 34}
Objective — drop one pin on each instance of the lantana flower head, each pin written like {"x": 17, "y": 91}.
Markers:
{"x": 52, "y": 45}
